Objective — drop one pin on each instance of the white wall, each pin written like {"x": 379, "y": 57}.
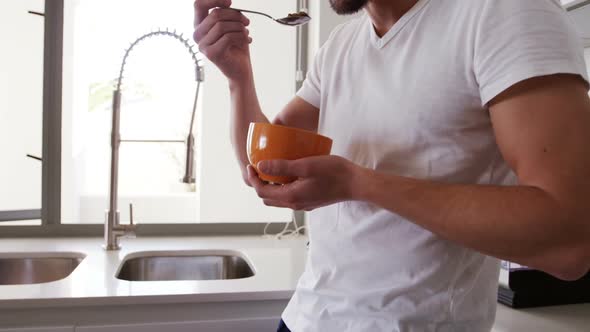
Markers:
{"x": 581, "y": 19}
{"x": 587, "y": 56}
{"x": 21, "y": 98}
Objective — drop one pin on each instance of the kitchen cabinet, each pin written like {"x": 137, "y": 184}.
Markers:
{"x": 566, "y": 318}
{"x": 40, "y": 329}
{"x": 253, "y": 325}
{"x": 216, "y": 316}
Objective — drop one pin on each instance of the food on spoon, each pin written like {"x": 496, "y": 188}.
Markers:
{"x": 295, "y": 18}
{"x": 298, "y": 14}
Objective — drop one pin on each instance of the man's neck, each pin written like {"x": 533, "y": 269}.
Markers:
{"x": 385, "y": 13}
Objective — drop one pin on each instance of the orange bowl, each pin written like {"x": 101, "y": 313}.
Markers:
{"x": 272, "y": 142}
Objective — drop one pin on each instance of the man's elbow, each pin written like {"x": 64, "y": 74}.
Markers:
{"x": 573, "y": 265}
{"x": 569, "y": 257}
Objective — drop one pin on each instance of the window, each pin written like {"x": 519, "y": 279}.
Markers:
{"x": 21, "y": 86}
{"x": 158, "y": 95}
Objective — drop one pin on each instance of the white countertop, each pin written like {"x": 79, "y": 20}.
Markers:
{"x": 567, "y": 318}
{"x": 277, "y": 264}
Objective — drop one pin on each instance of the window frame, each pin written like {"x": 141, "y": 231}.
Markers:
{"x": 50, "y": 213}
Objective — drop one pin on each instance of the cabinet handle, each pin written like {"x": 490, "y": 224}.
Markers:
{"x": 34, "y": 157}
{"x": 36, "y": 13}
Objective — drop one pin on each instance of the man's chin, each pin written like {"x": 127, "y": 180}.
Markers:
{"x": 348, "y": 7}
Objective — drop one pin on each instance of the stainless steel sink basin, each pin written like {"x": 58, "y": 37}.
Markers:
{"x": 165, "y": 267}
{"x": 26, "y": 269}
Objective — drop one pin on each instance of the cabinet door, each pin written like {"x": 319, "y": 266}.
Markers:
{"x": 253, "y": 325}
{"x": 39, "y": 329}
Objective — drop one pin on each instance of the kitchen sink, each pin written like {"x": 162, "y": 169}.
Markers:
{"x": 185, "y": 266}
{"x": 27, "y": 269}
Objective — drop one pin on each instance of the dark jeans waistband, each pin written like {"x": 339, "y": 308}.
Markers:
{"x": 283, "y": 327}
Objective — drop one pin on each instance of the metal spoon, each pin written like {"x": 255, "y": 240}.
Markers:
{"x": 295, "y": 19}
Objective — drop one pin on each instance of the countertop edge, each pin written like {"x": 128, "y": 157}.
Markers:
{"x": 146, "y": 300}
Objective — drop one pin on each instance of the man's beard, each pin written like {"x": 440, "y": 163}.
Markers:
{"x": 347, "y": 7}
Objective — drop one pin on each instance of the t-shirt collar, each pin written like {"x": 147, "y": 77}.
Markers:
{"x": 396, "y": 28}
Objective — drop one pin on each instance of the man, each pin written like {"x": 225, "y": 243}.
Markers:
{"x": 432, "y": 104}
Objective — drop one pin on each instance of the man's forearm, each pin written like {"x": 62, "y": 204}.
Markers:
{"x": 521, "y": 224}
{"x": 245, "y": 109}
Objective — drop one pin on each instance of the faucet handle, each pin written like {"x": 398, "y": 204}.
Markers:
{"x": 131, "y": 214}
{"x": 129, "y": 230}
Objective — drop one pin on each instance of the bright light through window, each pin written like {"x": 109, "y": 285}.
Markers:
{"x": 158, "y": 95}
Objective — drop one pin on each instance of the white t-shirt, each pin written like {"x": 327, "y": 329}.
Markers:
{"x": 413, "y": 103}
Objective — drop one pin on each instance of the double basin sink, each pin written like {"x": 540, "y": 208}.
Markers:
{"x": 35, "y": 269}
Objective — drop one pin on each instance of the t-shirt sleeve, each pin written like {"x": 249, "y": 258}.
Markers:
{"x": 521, "y": 39}
{"x": 310, "y": 91}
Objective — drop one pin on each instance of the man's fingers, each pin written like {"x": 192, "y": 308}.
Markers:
{"x": 202, "y": 8}
{"x": 273, "y": 195}
{"x": 219, "y": 30}
{"x": 276, "y": 167}
{"x": 218, "y": 15}
{"x": 265, "y": 191}
{"x": 275, "y": 203}
{"x": 216, "y": 51}
{"x": 297, "y": 168}
{"x": 253, "y": 178}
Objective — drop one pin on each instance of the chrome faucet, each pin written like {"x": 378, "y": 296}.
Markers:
{"x": 113, "y": 230}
